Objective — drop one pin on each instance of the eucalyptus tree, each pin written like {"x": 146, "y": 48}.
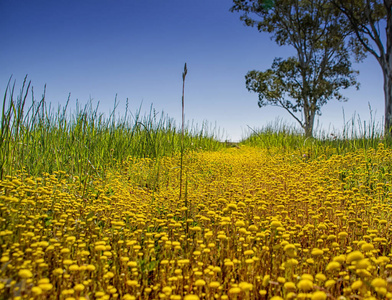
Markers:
{"x": 301, "y": 84}
{"x": 366, "y": 19}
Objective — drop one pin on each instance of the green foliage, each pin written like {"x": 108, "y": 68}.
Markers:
{"x": 356, "y": 134}
{"x": 321, "y": 68}
{"x": 366, "y": 20}
{"x": 39, "y": 139}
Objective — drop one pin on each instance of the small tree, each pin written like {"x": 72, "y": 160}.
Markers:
{"x": 321, "y": 68}
{"x": 365, "y": 17}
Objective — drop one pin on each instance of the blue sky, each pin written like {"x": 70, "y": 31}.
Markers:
{"x": 137, "y": 50}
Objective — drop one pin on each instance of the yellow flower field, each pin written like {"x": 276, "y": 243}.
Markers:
{"x": 258, "y": 224}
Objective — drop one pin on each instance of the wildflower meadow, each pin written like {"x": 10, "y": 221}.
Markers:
{"x": 307, "y": 220}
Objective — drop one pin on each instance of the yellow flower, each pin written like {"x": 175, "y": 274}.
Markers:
{"x": 73, "y": 268}
{"x": 290, "y": 295}
{"x": 36, "y": 290}
{"x": 132, "y": 264}
{"x": 290, "y": 250}
{"x": 4, "y": 259}
{"x": 132, "y": 283}
{"x": 245, "y": 286}
{"x": 200, "y": 282}
{"x": 167, "y": 290}
{"x": 290, "y": 286}
{"x": 91, "y": 267}
{"x": 363, "y": 264}
{"x": 99, "y": 294}
{"x": 367, "y": 247}
{"x": 262, "y": 292}
{"x": 249, "y": 252}
{"x": 232, "y": 206}
{"x": 228, "y": 263}
{"x": 191, "y": 297}
{"x": 67, "y": 262}
{"x": 305, "y": 285}
{"x": 329, "y": 283}
{"x": 354, "y": 256}
{"x": 196, "y": 228}
{"x": 281, "y": 279}
{"x": 235, "y": 290}
{"x": 240, "y": 223}
{"x": 276, "y": 224}
{"x": 340, "y": 258}
{"x": 317, "y": 252}
{"x": 321, "y": 277}
{"x": 58, "y": 271}
{"x": 378, "y": 282}
{"x": 356, "y": 285}
{"x": 79, "y": 287}
{"x": 319, "y": 295}
{"x": 291, "y": 262}
{"x": 24, "y": 273}
{"x": 332, "y": 266}
{"x": 307, "y": 276}
{"x": 342, "y": 234}
{"x": 46, "y": 286}
{"x": 100, "y": 248}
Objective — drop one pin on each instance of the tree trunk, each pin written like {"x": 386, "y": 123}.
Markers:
{"x": 386, "y": 65}
{"x": 308, "y": 131}
{"x": 309, "y": 123}
{"x": 388, "y": 102}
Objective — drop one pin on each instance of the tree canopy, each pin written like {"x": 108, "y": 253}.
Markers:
{"x": 370, "y": 22}
{"x": 304, "y": 83}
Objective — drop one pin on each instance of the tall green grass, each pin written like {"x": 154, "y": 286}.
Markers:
{"x": 40, "y": 139}
{"x": 355, "y": 134}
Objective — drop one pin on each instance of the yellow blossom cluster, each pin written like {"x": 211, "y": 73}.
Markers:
{"x": 258, "y": 224}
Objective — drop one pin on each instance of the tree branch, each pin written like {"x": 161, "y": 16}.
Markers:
{"x": 289, "y": 111}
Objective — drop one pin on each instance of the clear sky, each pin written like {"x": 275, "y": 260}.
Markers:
{"x": 137, "y": 50}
